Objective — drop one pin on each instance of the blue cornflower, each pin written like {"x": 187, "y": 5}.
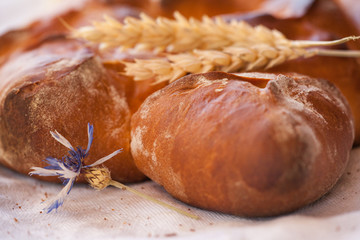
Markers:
{"x": 69, "y": 167}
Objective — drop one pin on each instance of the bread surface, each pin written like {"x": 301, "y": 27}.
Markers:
{"x": 249, "y": 144}
{"x": 60, "y": 85}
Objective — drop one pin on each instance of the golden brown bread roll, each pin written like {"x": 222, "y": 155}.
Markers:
{"x": 248, "y": 144}
{"x": 49, "y": 82}
{"x": 60, "y": 85}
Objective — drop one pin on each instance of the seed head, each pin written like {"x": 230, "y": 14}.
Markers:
{"x": 98, "y": 177}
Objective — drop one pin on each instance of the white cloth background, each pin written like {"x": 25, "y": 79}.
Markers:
{"x": 118, "y": 214}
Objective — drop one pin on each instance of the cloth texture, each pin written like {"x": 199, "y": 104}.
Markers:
{"x": 118, "y": 214}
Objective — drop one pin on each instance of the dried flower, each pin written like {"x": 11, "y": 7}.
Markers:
{"x": 69, "y": 167}
{"x": 72, "y": 165}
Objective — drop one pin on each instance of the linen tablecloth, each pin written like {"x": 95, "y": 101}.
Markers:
{"x": 118, "y": 214}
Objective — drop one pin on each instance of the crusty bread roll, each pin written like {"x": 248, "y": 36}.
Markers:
{"x": 60, "y": 85}
{"x": 250, "y": 144}
{"x": 49, "y": 82}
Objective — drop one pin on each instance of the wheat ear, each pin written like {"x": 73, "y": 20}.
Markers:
{"x": 201, "y": 46}
{"x": 177, "y": 35}
{"x": 181, "y": 34}
{"x": 230, "y": 59}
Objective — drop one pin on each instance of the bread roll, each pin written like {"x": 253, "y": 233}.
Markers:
{"x": 247, "y": 144}
{"x": 49, "y": 82}
{"x": 60, "y": 85}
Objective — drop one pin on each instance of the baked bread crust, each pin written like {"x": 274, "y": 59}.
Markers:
{"x": 249, "y": 144}
{"x": 60, "y": 85}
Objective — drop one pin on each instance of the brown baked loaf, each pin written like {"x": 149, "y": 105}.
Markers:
{"x": 49, "y": 82}
{"x": 249, "y": 144}
{"x": 60, "y": 85}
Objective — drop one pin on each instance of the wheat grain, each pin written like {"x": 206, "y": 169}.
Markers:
{"x": 229, "y": 59}
{"x": 181, "y": 34}
{"x": 201, "y": 46}
{"x": 178, "y": 35}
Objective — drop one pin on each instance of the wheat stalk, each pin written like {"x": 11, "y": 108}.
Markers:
{"x": 201, "y": 46}
{"x": 178, "y": 35}
{"x": 229, "y": 59}
{"x": 181, "y": 34}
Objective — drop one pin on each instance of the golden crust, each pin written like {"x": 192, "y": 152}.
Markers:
{"x": 233, "y": 144}
{"x": 61, "y": 86}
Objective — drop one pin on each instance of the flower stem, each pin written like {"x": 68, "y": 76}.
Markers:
{"x": 147, "y": 197}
